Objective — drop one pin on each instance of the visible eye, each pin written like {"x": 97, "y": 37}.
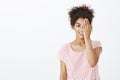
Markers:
{"x": 78, "y": 25}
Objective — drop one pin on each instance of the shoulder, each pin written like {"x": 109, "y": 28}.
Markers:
{"x": 65, "y": 46}
{"x": 63, "y": 52}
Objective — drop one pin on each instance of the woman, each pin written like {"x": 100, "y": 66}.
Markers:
{"x": 79, "y": 58}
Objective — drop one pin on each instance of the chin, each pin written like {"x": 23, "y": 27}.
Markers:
{"x": 81, "y": 37}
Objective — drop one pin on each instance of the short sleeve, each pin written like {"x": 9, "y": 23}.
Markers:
{"x": 96, "y": 44}
{"x": 62, "y": 54}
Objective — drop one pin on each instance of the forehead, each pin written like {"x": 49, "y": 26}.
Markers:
{"x": 80, "y": 20}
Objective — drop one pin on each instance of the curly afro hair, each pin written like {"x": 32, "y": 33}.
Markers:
{"x": 80, "y": 12}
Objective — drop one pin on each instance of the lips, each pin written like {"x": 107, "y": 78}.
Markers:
{"x": 80, "y": 33}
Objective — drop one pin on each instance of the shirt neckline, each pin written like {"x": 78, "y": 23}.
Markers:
{"x": 75, "y": 52}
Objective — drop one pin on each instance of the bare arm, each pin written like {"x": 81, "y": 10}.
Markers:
{"x": 63, "y": 71}
{"x": 92, "y": 54}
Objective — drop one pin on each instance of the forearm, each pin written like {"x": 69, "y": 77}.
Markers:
{"x": 91, "y": 55}
{"x": 63, "y": 77}
{"x": 63, "y": 71}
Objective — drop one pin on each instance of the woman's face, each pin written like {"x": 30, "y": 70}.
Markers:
{"x": 77, "y": 27}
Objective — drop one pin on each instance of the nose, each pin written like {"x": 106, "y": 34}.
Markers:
{"x": 80, "y": 29}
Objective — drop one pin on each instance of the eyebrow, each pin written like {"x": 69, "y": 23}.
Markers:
{"x": 78, "y": 23}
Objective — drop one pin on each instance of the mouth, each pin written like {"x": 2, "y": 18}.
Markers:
{"x": 80, "y": 33}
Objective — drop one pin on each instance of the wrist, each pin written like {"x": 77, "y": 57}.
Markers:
{"x": 88, "y": 41}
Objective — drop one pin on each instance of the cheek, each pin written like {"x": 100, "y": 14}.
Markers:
{"x": 79, "y": 29}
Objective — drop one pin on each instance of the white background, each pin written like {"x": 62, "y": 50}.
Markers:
{"x": 33, "y": 31}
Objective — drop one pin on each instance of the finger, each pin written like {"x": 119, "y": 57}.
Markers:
{"x": 87, "y": 21}
{"x": 88, "y": 24}
{"x": 85, "y": 29}
{"x": 83, "y": 25}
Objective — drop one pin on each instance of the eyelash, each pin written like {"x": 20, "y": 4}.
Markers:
{"x": 78, "y": 25}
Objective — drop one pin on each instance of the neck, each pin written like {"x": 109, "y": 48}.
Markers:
{"x": 79, "y": 41}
